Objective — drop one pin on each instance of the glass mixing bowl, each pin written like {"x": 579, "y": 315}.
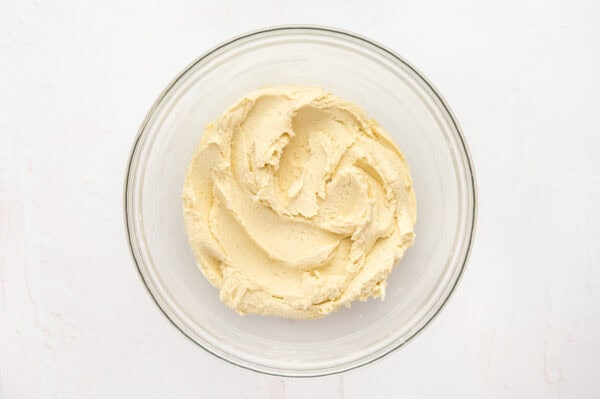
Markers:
{"x": 404, "y": 103}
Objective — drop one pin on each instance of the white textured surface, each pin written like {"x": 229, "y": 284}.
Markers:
{"x": 76, "y": 80}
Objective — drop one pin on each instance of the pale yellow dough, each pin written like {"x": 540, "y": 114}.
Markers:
{"x": 296, "y": 203}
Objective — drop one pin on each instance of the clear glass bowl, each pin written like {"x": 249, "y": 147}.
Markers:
{"x": 404, "y": 103}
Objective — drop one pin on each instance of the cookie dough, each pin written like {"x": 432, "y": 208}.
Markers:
{"x": 296, "y": 203}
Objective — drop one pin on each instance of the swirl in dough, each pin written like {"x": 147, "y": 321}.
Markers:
{"x": 296, "y": 203}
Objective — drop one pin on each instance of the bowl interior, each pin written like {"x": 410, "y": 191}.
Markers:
{"x": 403, "y": 103}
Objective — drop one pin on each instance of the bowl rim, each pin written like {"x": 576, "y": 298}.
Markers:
{"x": 467, "y": 159}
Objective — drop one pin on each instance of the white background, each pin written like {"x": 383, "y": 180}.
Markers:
{"x": 76, "y": 80}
